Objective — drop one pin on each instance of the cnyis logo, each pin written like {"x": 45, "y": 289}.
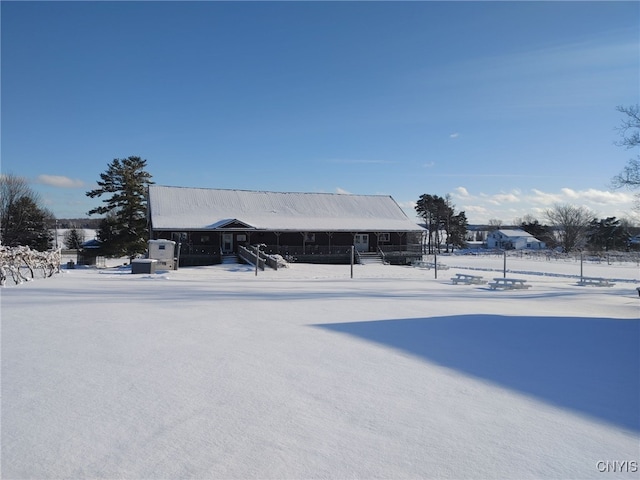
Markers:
{"x": 617, "y": 466}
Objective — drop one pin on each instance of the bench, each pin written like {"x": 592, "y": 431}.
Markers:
{"x": 468, "y": 279}
{"x": 508, "y": 284}
{"x": 595, "y": 282}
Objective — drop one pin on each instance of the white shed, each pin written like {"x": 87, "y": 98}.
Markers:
{"x": 164, "y": 251}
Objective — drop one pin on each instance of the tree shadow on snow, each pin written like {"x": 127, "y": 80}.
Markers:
{"x": 590, "y": 365}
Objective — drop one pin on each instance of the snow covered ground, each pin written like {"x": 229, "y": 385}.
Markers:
{"x": 214, "y": 372}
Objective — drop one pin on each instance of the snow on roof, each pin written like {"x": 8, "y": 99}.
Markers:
{"x": 184, "y": 208}
{"x": 515, "y": 232}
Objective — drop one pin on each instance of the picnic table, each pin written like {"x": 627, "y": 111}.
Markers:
{"x": 468, "y": 279}
{"x": 509, "y": 284}
{"x": 441, "y": 266}
{"x": 595, "y": 282}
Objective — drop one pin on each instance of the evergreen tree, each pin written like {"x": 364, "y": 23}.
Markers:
{"x": 124, "y": 230}
{"x": 23, "y": 221}
{"x": 458, "y": 230}
{"x": 542, "y": 232}
{"x": 439, "y": 216}
{"x": 74, "y": 238}
{"x": 607, "y": 234}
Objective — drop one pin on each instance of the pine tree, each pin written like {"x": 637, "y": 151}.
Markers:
{"x": 23, "y": 221}
{"x": 439, "y": 216}
{"x": 74, "y": 238}
{"x": 124, "y": 231}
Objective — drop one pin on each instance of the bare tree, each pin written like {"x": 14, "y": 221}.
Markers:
{"x": 494, "y": 224}
{"x": 571, "y": 225}
{"x": 629, "y": 130}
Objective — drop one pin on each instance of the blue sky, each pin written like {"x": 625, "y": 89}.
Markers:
{"x": 507, "y": 106}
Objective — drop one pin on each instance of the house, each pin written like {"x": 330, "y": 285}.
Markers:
{"x": 514, "y": 239}
{"x": 209, "y": 224}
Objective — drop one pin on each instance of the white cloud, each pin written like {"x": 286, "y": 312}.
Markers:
{"x": 454, "y": 135}
{"x": 602, "y": 197}
{"x": 591, "y": 195}
{"x": 342, "y": 191}
{"x": 508, "y": 206}
{"x": 475, "y": 208}
{"x": 544, "y": 198}
{"x": 461, "y": 192}
{"x": 59, "y": 181}
{"x": 500, "y": 198}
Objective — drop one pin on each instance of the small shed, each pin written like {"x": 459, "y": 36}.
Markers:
{"x": 164, "y": 251}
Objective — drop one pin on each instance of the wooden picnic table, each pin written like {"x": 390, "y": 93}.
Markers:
{"x": 468, "y": 279}
{"x": 509, "y": 284}
{"x": 595, "y": 282}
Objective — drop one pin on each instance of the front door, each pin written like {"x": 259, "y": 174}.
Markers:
{"x": 361, "y": 242}
{"x": 227, "y": 243}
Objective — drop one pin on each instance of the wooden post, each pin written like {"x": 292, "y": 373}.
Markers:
{"x": 257, "y": 258}
{"x": 581, "y": 258}
{"x": 435, "y": 265}
{"x": 504, "y": 265}
{"x": 352, "y": 258}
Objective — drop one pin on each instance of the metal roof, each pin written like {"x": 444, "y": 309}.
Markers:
{"x": 185, "y": 208}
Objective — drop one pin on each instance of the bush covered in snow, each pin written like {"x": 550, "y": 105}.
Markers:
{"x": 15, "y": 260}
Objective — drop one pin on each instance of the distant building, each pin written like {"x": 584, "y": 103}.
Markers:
{"x": 209, "y": 224}
{"x": 88, "y": 252}
{"x": 515, "y": 239}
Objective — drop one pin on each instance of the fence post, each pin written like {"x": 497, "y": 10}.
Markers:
{"x": 504, "y": 264}
{"x": 257, "y": 259}
{"x": 352, "y": 257}
{"x": 435, "y": 265}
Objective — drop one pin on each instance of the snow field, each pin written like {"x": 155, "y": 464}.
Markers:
{"x": 213, "y": 372}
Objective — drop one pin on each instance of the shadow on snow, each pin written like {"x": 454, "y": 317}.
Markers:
{"x": 589, "y": 365}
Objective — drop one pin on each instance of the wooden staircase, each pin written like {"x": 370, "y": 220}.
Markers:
{"x": 370, "y": 258}
{"x": 230, "y": 259}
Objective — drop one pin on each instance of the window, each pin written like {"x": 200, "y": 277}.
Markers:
{"x": 161, "y": 247}
{"x": 384, "y": 237}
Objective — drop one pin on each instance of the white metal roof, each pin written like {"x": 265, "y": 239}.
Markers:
{"x": 184, "y": 208}
{"x": 514, "y": 232}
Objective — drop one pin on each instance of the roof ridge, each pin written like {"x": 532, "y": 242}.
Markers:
{"x": 273, "y": 191}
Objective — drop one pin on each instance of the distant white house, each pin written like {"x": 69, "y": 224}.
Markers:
{"x": 515, "y": 239}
